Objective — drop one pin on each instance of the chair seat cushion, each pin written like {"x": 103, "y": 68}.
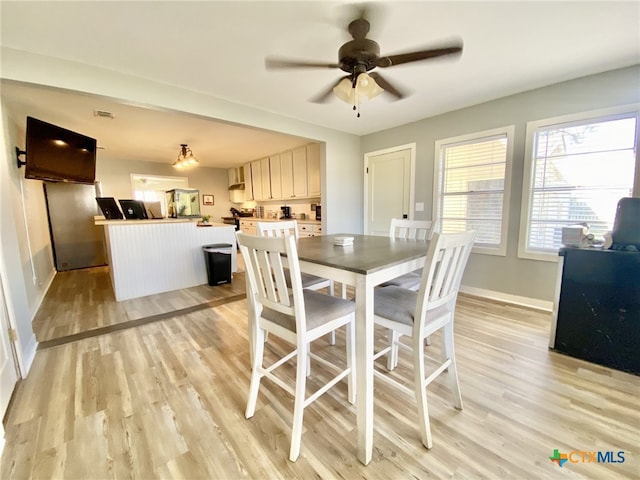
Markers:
{"x": 399, "y": 305}
{"x": 409, "y": 280}
{"x": 395, "y": 303}
{"x": 308, "y": 280}
{"x": 319, "y": 309}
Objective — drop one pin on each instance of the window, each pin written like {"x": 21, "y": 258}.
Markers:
{"x": 472, "y": 186}
{"x": 576, "y": 169}
{"x": 152, "y": 187}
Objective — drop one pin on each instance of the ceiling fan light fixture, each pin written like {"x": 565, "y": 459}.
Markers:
{"x": 366, "y": 88}
{"x": 185, "y": 158}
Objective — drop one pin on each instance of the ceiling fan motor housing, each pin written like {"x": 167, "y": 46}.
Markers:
{"x": 360, "y": 55}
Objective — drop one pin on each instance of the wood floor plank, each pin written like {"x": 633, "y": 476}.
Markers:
{"x": 167, "y": 399}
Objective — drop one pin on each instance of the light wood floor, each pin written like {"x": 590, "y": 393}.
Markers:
{"x": 167, "y": 400}
{"x": 82, "y": 300}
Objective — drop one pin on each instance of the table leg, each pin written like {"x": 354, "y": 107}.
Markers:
{"x": 364, "y": 368}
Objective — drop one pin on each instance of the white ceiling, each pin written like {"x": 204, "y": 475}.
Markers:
{"x": 218, "y": 48}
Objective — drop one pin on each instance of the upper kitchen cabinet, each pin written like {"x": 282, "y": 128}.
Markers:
{"x": 294, "y": 173}
{"x": 256, "y": 179}
{"x": 248, "y": 184}
{"x": 261, "y": 179}
{"x": 275, "y": 176}
{"x": 237, "y": 185}
{"x": 236, "y": 177}
{"x": 265, "y": 179}
{"x": 313, "y": 170}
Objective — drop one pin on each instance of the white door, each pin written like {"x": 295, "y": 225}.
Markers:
{"x": 389, "y": 188}
{"x": 8, "y": 372}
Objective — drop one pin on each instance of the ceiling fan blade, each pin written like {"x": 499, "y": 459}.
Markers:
{"x": 276, "y": 62}
{"x": 391, "y": 60}
{"x": 386, "y": 86}
{"x": 325, "y": 95}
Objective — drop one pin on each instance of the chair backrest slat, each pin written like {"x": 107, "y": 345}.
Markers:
{"x": 278, "y": 229}
{"x": 413, "y": 229}
{"x": 265, "y": 266}
{"x": 446, "y": 260}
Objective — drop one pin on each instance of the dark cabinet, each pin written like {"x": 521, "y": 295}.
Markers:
{"x": 598, "y": 309}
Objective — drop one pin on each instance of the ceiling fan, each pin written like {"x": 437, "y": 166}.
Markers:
{"x": 357, "y": 58}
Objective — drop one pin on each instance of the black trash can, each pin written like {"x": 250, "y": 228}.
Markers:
{"x": 217, "y": 258}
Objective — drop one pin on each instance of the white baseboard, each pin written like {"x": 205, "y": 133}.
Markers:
{"x": 40, "y": 299}
{"x": 28, "y": 356}
{"x": 508, "y": 298}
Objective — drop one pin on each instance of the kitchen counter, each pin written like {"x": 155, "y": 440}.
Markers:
{"x": 256, "y": 219}
{"x": 154, "y": 256}
{"x": 104, "y": 221}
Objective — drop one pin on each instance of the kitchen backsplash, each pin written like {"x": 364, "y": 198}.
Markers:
{"x": 297, "y": 207}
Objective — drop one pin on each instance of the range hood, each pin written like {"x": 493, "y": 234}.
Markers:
{"x": 237, "y": 186}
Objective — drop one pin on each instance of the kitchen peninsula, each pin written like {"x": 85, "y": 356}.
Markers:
{"x": 154, "y": 256}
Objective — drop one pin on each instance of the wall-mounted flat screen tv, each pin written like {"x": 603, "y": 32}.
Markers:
{"x": 56, "y": 154}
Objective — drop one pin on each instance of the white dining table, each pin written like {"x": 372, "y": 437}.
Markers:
{"x": 370, "y": 261}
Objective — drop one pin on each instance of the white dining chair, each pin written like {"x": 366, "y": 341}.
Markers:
{"x": 298, "y": 316}
{"x": 290, "y": 228}
{"x": 420, "y": 314}
{"x": 414, "y": 229}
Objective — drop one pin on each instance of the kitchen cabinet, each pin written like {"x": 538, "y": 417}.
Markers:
{"x": 275, "y": 177}
{"x": 256, "y": 179}
{"x": 236, "y": 176}
{"x": 237, "y": 184}
{"x": 248, "y": 226}
{"x": 286, "y": 166}
{"x": 248, "y": 185}
{"x": 300, "y": 173}
{"x": 313, "y": 170}
{"x": 265, "y": 180}
{"x": 294, "y": 173}
{"x": 305, "y": 229}
{"x": 309, "y": 229}
{"x": 291, "y": 174}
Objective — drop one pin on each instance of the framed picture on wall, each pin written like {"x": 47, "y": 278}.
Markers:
{"x": 207, "y": 199}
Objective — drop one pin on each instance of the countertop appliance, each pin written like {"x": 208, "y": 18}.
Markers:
{"x": 286, "y": 212}
{"x": 76, "y": 241}
{"x": 232, "y": 221}
{"x": 243, "y": 212}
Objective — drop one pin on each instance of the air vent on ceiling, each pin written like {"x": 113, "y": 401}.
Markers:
{"x": 103, "y": 114}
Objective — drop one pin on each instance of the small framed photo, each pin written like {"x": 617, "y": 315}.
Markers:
{"x": 207, "y": 199}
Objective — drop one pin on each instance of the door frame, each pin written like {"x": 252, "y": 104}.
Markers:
{"x": 412, "y": 173}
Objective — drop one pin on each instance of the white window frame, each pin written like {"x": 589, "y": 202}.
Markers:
{"x": 509, "y": 131}
{"x": 527, "y": 191}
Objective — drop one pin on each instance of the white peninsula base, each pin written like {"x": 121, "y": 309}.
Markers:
{"x": 154, "y": 256}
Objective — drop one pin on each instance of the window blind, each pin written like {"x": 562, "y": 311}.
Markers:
{"x": 580, "y": 171}
{"x": 472, "y": 183}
